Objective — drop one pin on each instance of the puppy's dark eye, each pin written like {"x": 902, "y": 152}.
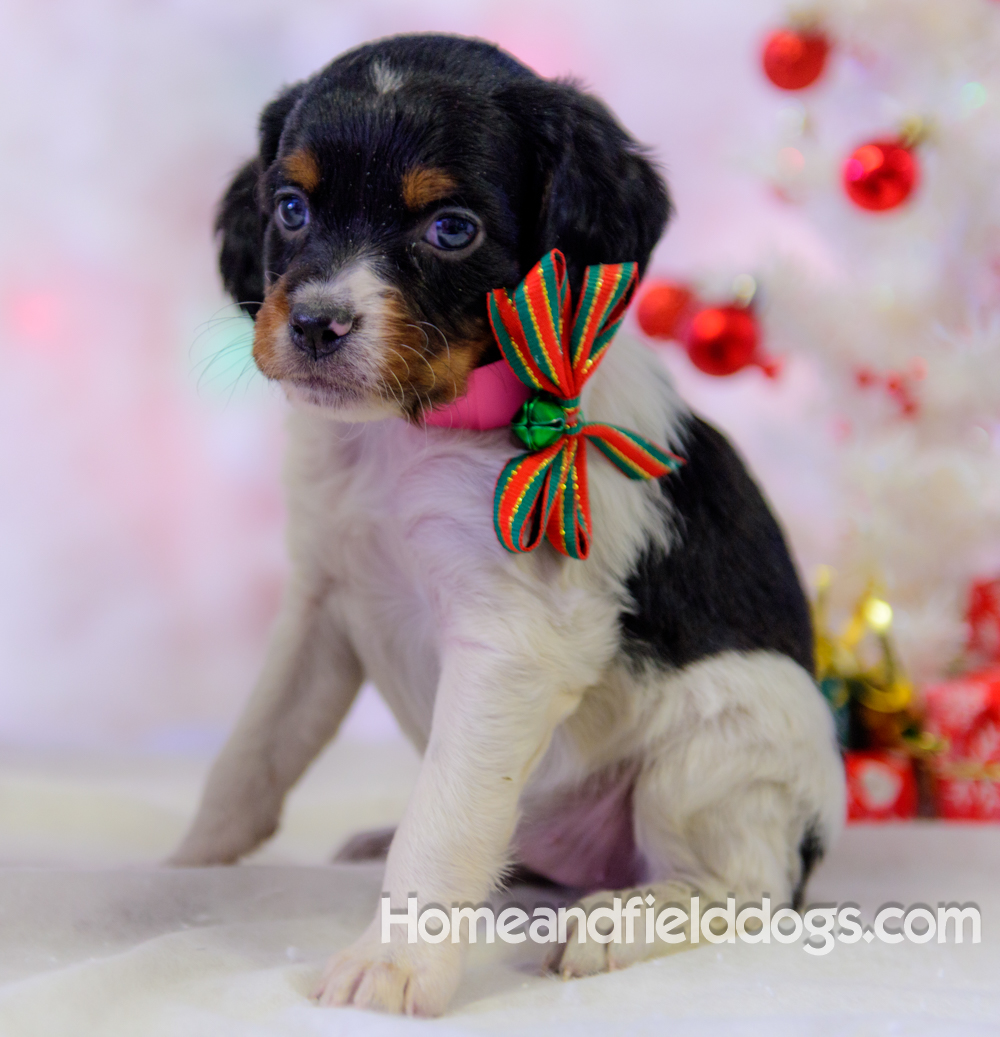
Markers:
{"x": 292, "y": 212}
{"x": 452, "y": 231}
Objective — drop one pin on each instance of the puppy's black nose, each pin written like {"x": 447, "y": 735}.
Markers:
{"x": 319, "y": 332}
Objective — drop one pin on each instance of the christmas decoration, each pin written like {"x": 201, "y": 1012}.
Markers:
{"x": 983, "y": 617}
{"x": 859, "y": 674}
{"x": 897, "y": 321}
{"x": 544, "y": 493}
{"x": 880, "y": 175}
{"x": 898, "y": 385}
{"x": 965, "y": 714}
{"x": 721, "y": 340}
{"x": 886, "y": 745}
{"x": 540, "y": 422}
{"x": 661, "y": 308}
{"x": 794, "y": 59}
{"x": 881, "y": 786}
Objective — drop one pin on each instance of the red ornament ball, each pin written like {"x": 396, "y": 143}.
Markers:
{"x": 880, "y": 175}
{"x": 661, "y": 308}
{"x": 721, "y": 340}
{"x": 794, "y": 60}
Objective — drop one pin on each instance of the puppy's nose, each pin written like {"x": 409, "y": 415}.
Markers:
{"x": 319, "y": 332}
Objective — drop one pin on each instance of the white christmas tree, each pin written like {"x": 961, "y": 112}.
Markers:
{"x": 901, "y": 310}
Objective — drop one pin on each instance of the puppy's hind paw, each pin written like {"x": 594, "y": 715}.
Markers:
{"x": 574, "y": 959}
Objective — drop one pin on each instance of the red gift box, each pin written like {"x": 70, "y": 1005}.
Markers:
{"x": 965, "y": 714}
{"x": 881, "y": 785}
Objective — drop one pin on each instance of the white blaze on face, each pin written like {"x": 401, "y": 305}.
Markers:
{"x": 355, "y": 374}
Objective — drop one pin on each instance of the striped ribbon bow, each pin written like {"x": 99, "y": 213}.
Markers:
{"x": 543, "y": 493}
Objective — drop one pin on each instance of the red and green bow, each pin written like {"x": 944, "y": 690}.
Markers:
{"x": 543, "y": 493}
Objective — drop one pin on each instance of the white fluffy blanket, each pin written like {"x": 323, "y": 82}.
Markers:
{"x": 95, "y": 939}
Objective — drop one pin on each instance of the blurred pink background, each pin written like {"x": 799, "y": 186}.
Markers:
{"x": 141, "y": 553}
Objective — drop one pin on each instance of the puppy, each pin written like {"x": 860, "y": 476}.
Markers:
{"x": 646, "y": 717}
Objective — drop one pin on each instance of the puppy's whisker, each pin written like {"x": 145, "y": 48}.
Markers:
{"x": 215, "y": 320}
{"x": 444, "y": 337}
{"x": 232, "y": 307}
{"x": 239, "y": 378}
{"x": 401, "y": 399}
{"x": 427, "y": 341}
{"x": 422, "y": 357}
{"x": 236, "y": 343}
{"x": 212, "y": 326}
{"x": 451, "y": 368}
{"x": 204, "y": 367}
{"x": 402, "y": 396}
{"x": 233, "y": 345}
{"x": 401, "y": 357}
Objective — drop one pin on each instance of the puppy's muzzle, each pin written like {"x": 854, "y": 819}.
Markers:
{"x": 319, "y": 331}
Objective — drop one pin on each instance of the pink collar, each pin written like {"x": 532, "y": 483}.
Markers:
{"x": 491, "y": 400}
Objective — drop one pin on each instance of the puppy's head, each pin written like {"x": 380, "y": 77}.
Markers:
{"x": 393, "y": 191}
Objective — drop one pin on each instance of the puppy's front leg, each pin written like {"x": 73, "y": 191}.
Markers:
{"x": 494, "y": 715}
{"x": 310, "y": 678}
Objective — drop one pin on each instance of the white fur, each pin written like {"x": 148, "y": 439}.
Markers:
{"x": 355, "y": 379}
{"x": 504, "y": 670}
{"x": 385, "y": 79}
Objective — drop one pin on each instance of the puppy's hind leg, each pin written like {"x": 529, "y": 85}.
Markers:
{"x": 309, "y": 680}
{"x": 740, "y": 793}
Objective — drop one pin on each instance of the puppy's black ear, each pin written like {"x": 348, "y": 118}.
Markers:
{"x": 272, "y": 122}
{"x": 596, "y": 196}
{"x": 241, "y": 246}
{"x": 240, "y": 223}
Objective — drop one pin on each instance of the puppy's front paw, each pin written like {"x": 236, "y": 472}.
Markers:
{"x": 407, "y": 979}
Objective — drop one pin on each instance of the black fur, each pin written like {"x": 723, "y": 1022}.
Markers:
{"x": 597, "y": 197}
{"x": 543, "y": 166}
{"x": 241, "y": 230}
{"x": 728, "y": 582}
{"x": 811, "y": 850}
{"x": 240, "y": 222}
{"x": 541, "y": 163}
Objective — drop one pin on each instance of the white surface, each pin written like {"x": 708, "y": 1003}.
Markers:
{"x": 122, "y": 947}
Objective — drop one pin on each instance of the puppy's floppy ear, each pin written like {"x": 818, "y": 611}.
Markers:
{"x": 272, "y": 122}
{"x": 241, "y": 233}
{"x": 598, "y": 199}
{"x": 240, "y": 223}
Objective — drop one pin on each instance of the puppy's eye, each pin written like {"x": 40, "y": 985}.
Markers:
{"x": 292, "y": 212}
{"x": 452, "y": 231}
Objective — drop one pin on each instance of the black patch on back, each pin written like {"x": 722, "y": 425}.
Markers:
{"x": 728, "y": 582}
{"x": 811, "y": 851}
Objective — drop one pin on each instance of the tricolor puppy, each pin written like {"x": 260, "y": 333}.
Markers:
{"x": 645, "y": 718}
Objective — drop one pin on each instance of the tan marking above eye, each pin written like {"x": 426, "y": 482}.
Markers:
{"x": 302, "y": 169}
{"x": 424, "y": 184}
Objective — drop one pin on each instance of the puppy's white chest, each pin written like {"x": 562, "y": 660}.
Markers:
{"x": 400, "y": 521}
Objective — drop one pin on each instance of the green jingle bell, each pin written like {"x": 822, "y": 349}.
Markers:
{"x": 539, "y": 422}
